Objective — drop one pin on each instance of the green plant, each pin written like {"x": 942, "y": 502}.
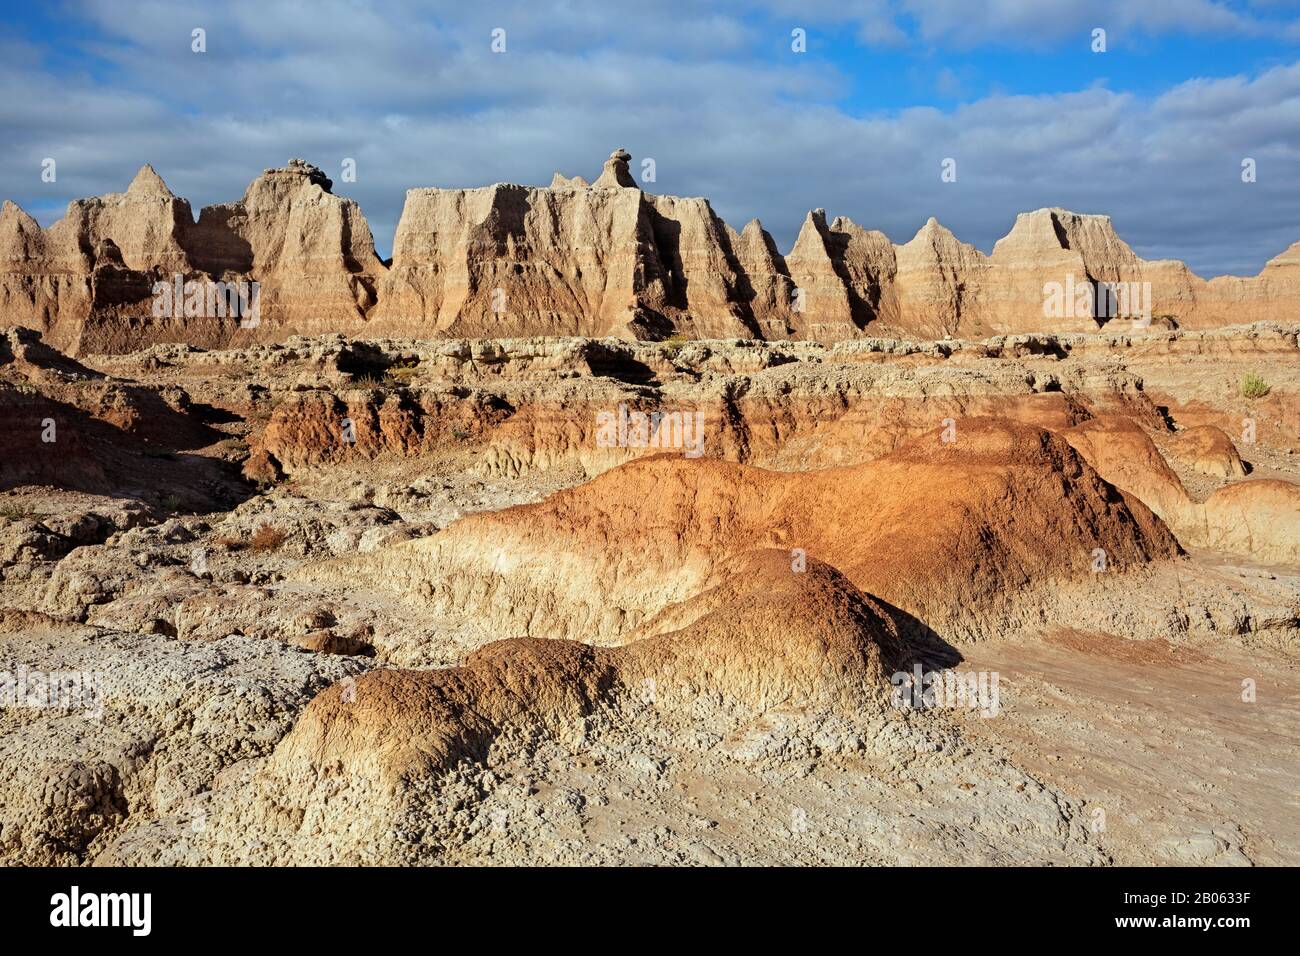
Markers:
{"x": 171, "y": 503}
{"x": 15, "y": 512}
{"x": 403, "y": 370}
{"x": 1254, "y": 386}
{"x": 674, "y": 344}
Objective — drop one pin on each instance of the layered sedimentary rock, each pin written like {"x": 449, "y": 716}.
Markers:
{"x": 131, "y": 269}
{"x": 1254, "y": 519}
{"x": 525, "y": 673}
{"x": 573, "y": 258}
{"x": 311, "y": 251}
{"x": 508, "y": 259}
{"x": 606, "y": 259}
{"x": 941, "y": 283}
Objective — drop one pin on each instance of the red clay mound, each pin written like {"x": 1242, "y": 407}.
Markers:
{"x": 945, "y": 531}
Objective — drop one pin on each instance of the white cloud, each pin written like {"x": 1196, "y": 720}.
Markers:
{"x": 761, "y": 135}
{"x": 1033, "y": 23}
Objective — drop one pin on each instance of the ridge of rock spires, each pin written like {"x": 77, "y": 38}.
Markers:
{"x": 1289, "y": 258}
{"x": 88, "y": 281}
{"x": 572, "y": 258}
{"x": 941, "y": 283}
{"x": 147, "y": 222}
{"x": 559, "y": 181}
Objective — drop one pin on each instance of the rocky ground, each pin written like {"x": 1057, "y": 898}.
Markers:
{"x": 404, "y": 601}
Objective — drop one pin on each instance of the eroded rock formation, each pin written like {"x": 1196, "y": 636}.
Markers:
{"x": 131, "y": 269}
{"x": 468, "y": 628}
{"x": 572, "y": 258}
{"x": 577, "y": 259}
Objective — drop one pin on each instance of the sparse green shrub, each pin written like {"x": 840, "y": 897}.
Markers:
{"x": 403, "y": 370}
{"x": 673, "y": 345}
{"x": 1254, "y": 386}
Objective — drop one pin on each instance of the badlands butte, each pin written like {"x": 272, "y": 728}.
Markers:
{"x": 394, "y": 571}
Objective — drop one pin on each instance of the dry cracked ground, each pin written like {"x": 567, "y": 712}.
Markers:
{"x": 430, "y": 602}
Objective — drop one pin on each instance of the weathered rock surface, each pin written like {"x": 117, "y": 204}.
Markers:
{"x": 152, "y": 723}
{"x": 1008, "y": 506}
{"x": 575, "y": 259}
{"x": 1259, "y": 520}
{"x": 94, "y": 281}
{"x": 1210, "y": 451}
{"x": 442, "y": 618}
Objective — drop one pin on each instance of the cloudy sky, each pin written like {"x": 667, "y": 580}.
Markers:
{"x": 1153, "y": 131}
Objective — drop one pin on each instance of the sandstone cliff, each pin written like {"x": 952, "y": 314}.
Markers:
{"x": 101, "y": 278}
{"x": 311, "y": 251}
{"x": 572, "y": 258}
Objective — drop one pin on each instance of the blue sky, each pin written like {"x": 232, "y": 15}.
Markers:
{"x": 1152, "y": 131}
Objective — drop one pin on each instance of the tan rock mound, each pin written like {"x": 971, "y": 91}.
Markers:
{"x": 1210, "y": 451}
{"x": 1259, "y": 519}
{"x": 757, "y": 637}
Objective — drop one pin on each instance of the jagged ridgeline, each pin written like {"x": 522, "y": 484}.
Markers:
{"x": 599, "y": 259}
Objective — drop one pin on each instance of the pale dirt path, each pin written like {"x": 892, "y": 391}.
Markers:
{"x": 1159, "y": 738}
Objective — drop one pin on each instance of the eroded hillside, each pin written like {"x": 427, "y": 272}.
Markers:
{"x": 412, "y": 600}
